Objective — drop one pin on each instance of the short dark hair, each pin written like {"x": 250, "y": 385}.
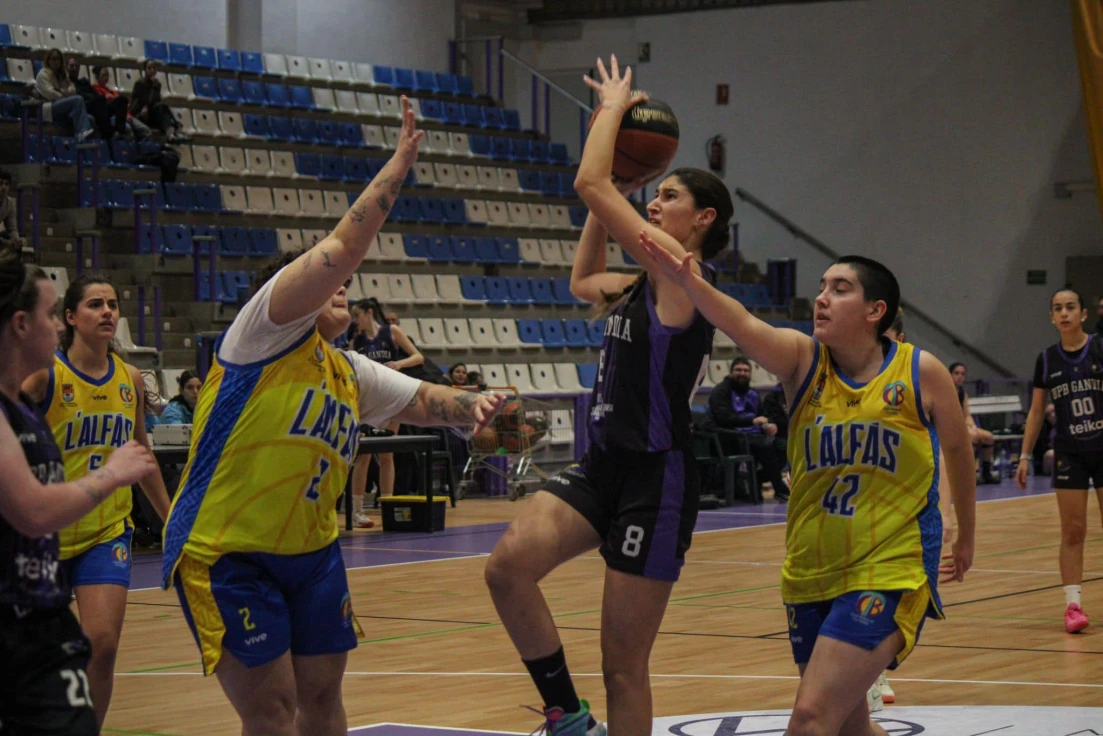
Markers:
{"x": 18, "y": 284}
{"x": 739, "y": 361}
{"x": 878, "y": 284}
{"x": 5, "y": 176}
{"x": 1069, "y": 289}
{"x": 96, "y": 70}
{"x": 956, "y": 364}
{"x": 186, "y": 376}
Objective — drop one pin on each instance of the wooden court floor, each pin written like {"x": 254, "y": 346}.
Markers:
{"x": 434, "y": 653}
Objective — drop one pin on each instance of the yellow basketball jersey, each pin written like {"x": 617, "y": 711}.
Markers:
{"x": 863, "y": 514}
{"x": 272, "y": 443}
{"x": 90, "y": 419}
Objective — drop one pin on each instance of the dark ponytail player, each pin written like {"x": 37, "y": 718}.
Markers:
{"x": 1069, "y": 374}
{"x": 43, "y": 652}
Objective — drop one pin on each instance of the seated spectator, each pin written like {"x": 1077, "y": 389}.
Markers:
{"x": 110, "y": 119}
{"x": 734, "y": 405}
{"x": 60, "y": 95}
{"x": 458, "y": 374}
{"x": 115, "y": 102}
{"x": 981, "y": 438}
{"x": 181, "y": 407}
{"x": 475, "y": 380}
{"x": 9, "y": 223}
{"x": 146, "y": 105}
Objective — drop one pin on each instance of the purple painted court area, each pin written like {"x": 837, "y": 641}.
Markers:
{"x": 402, "y": 729}
{"x": 398, "y": 548}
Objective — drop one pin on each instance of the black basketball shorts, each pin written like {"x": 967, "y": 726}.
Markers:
{"x": 1076, "y": 470}
{"x": 642, "y": 504}
{"x": 43, "y": 682}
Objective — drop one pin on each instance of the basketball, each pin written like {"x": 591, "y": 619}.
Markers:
{"x": 511, "y": 416}
{"x": 485, "y": 441}
{"x": 647, "y": 141}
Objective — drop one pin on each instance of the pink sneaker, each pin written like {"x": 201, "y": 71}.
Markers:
{"x": 1075, "y": 620}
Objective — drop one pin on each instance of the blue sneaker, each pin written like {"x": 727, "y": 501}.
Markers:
{"x": 558, "y": 723}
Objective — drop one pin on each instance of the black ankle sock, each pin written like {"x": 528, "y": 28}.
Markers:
{"x": 554, "y": 682}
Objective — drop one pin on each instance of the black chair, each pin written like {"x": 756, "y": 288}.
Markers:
{"x": 709, "y": 453}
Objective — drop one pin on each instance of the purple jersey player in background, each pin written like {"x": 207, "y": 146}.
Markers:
{"x": 1070, "y": 375}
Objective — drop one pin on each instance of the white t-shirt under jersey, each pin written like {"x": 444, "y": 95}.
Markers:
{"x": 253, "y": 337}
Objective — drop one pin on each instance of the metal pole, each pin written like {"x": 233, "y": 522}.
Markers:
{"x": 35, "y": 201}
{"x": 452, "y": 56}
{"x": 535, "y": 90}
{"x": 141, "y": 315}
{"x": 196, "y": 276}
{"x": 212, "y": 275}
{"x": 158, "y": 327}
{"x": 547, "y": 109}
{"x": 95, "y": 252}
{"x": 80, "y": 255}
{"x": 501, "y": 68}
{"x": 583, "y": 122}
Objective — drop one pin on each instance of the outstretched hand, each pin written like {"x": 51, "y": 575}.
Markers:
{"x": 680, "y": 271}
{"x": 486, "y": 407}
{"x": 614, "y": 91}
{"x": 409, "y": 136}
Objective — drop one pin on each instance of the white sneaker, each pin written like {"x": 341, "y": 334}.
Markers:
{"x": 363, "y": 521}
{"x": 873, "y": 698}
{"x": 888, "y": 695}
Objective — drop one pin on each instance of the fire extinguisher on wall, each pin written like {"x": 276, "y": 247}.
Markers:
{"x": 714, "y": 149}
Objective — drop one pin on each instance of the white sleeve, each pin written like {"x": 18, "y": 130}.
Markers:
{"x": 253, "y": 336}
{"x": 383, "y": 392}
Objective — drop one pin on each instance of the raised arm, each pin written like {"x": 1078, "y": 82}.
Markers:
{"x": 36, "y": 509}
{"x": 312, "y": 280}
{"x": 413, "y": 355}
{"x": 1034, "y": 420}
{"x": 940, "y": 404}
{"x": 786, "y": 353}
{"x": 590, "y": 282}
{"x": 435, "y": 405}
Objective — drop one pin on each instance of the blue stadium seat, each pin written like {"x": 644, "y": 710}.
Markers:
{"x": 302, "y": 98}
{"x": 528, "y": 330}
{"x": 566, "y": 185}
{"x": 499, "y": 147}
{"x": 486, "y": 250}
{"x": 263, "y": 242}
{"x": 552, "y": 330}
{"x": 529, "y": 179}
{"x": 431, "y": 109}
{"x": 37, "y": 153}
{"x": 234, "y": 287}
{"x": 230, "y": 60}
{"x": 628, "y": 260}
{"x": 120, "y": 194}
{"x": 432, "y": 210}
{"x": 574, "y": 331}
{"x": 759, "y": 296}
{"x": 439, "y": 249}
{"x": 176, "y": 240}
{"x": 352, "y": 136}
{"x": 147, "y": 234}
{"x": 65, "y": 150}
{"x": 304, "y": 130}
{"x": 329, "y": 133}
{"x": 204, "y": 287}
{"x": 465, "y": 86}
{"x": 454, "y": 213}
{"x": 251, "y": 61}
{"x": 229, "y": 90}
{"x": 179, "y": 197}
{"x": 452, "y": 113}
{"x": 279, "y": 129}
{"x": 252, "y": 92}
{"x": 406, "y": 209}
{"x": 578, "y": 219}
{"x": 403, "y": 78}
{"x": 181, "y": 54}
{"x": 207, "y": 230}
{"x": 561, "y": 291}
{"x": 425, "y": 82}
{"x": 276, "y": 94}
{"x": 158, "y": 50}
{"x": 512, "y": 119}
{"x": 308, "y": 164}
{"x": 383, "y": 75}
{"x": 473, "y": 116}
{"x": 473, "y": 288}
{"x": 375, "y": 165}
{"x": 10, "y": 106}
{"x": 587, "y": 374}
{"x": 415, "y": 246}
{"x": 204, "y": 57}
{"x": 542, "y": 292}
{"x": 520, "y": 149}
{"x": 539, "y": 152}
{"x": 519, "y": 290}
{"x": 446, "y": 83}
{"x": 497, "y": 290}
{"x": 205, "y": 87}
{"x": 255, "y": 125}
{"x": 509, "y": 250}
{"x": 208, "y": 198}
{"x": 549, "y": 183}
{"x": 479, "y": 144}
{"x": 493, "y": 118}
{"x": 235, "y": 241}
{"x": 595, "y": 333}
{"x": 333, "y": 168}
{"x": 557, "y": 152}
{"x": 5, "y": 37}
{"x": 355, "y": 169}
{"x": 86, "y": 192}
{"x": 463, "y": 249}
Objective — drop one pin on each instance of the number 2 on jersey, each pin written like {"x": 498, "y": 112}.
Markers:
{"x": 839, "y": 499}
{"x": 313, "y": 492}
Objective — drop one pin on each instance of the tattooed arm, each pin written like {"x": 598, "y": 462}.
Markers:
{"x": 436, "y": 405}
{"x": 315, "y": 276}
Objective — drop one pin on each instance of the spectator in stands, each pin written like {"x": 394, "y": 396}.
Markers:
{"x": 114, "y": 101}
{"x": 146, "y": 105}
{"x": 981, "y": 438}
{"x": 181, "y": 407}
{"x": 1099, "y": 315}
{"x": 475, "y": 379}
{"x": 458, "y": 374}
{"x": 109, "y": 115}
{"x": 60, "y": 95}
{"x": 9, "y": 223}
{"x": 734, "y": 405}
{"x": 776, "y": 410}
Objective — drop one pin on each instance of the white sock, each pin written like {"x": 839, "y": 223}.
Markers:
{"x": 1072, "y": 595}
{"x": 357, "y": 506}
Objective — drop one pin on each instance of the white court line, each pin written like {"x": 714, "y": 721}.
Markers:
{"x": 442, "y": 728}
{"x": 653, "y": 676}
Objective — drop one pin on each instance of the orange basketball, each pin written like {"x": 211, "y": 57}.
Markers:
{"x": 510, "y": 418}
{"x": 485, "y": 441}
{"x": 647, "y": 141}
